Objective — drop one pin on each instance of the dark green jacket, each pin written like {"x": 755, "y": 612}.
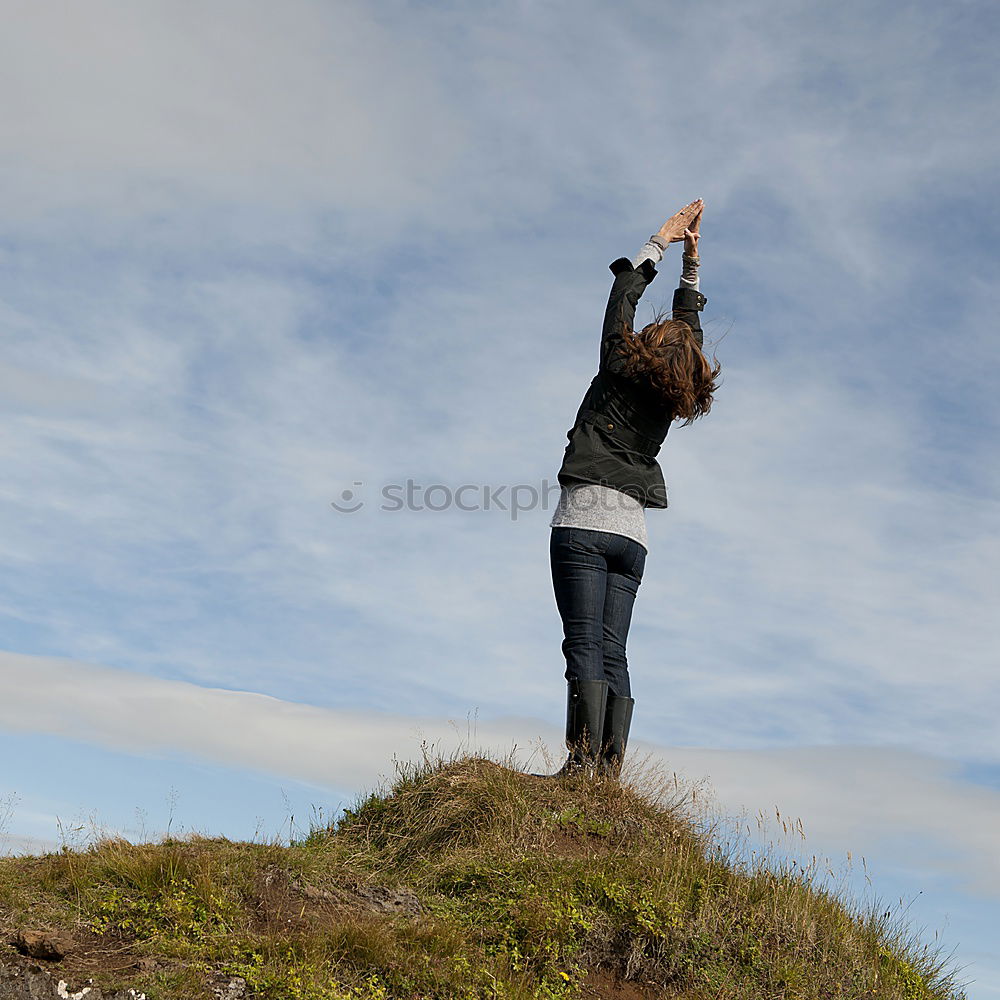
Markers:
{"x": 622, "y": 422}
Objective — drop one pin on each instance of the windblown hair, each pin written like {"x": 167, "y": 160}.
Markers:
{"x": 666, "y": 354}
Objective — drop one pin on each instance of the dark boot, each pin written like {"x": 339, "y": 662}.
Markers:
{"x": 617, "y": 721}
{"x": 585, "y": 701}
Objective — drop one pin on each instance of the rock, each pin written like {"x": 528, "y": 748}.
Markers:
{"x": 386, "y": 900}
{"x": 235, "y": 989}
{"x": 32, "y": 982}
{"x": 380, "y": 898}
{"x": 44, "y": 944}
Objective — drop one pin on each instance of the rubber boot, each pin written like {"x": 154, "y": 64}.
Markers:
{"x": 585, "y": 703}
{"x": 617, "y": 721}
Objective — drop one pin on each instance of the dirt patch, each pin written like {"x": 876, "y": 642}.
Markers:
{"x": 43, "y": 963}
{"x": 30, "y": 956}
{"x": 569, "y": 843}
{"x": 601, "y": 984}
{"x": 75, "y": 950}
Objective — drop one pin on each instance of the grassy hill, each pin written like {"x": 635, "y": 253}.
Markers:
{"x": 463, "y": 879}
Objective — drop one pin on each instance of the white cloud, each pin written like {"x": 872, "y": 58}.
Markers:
{"x": 910, "y": 806}
{"x": 132, "y": 106}
{"x": 848, "y": 798}
{"x": 10, "y": 844}
{"x": 387, "y": 127}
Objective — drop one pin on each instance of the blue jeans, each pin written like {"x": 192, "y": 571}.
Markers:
{"x": 595, "y": 576}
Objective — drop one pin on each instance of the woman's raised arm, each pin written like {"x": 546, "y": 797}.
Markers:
{"x": 690, "y": 259}
{"x": 688, "y": 300}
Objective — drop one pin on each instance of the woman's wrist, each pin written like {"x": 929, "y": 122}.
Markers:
{"x": 689, "y": 268}
{"x": 650, "y": 251}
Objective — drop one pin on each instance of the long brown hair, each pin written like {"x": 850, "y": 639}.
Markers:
{"x": 666, "y": 353}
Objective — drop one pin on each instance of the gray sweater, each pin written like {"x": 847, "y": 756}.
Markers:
{"x": 601, "y": 508}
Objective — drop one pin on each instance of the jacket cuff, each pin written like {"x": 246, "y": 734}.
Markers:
{"x": 689, "y": 298}
{"x": 646, "y": 268}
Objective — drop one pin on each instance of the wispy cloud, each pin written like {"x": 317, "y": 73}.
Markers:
{"x": 848, "y": 798}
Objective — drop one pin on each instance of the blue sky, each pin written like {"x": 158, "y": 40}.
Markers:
{"x": 253, "y": 256}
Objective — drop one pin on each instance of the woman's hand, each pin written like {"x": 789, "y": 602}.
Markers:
{"x": 691, "y": 236}
{"x": 673, "y": 230}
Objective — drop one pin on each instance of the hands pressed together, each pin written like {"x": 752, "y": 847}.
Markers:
{"x": 684, "y": 225}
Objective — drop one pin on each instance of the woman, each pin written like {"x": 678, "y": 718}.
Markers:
{"x": 609, "y": 475}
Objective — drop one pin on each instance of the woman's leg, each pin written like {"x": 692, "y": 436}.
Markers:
{"x": 579, "y": 579}
{"x": 626, "y": 561}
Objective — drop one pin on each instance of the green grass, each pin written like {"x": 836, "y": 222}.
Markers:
{"x": 504, "y": 886}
